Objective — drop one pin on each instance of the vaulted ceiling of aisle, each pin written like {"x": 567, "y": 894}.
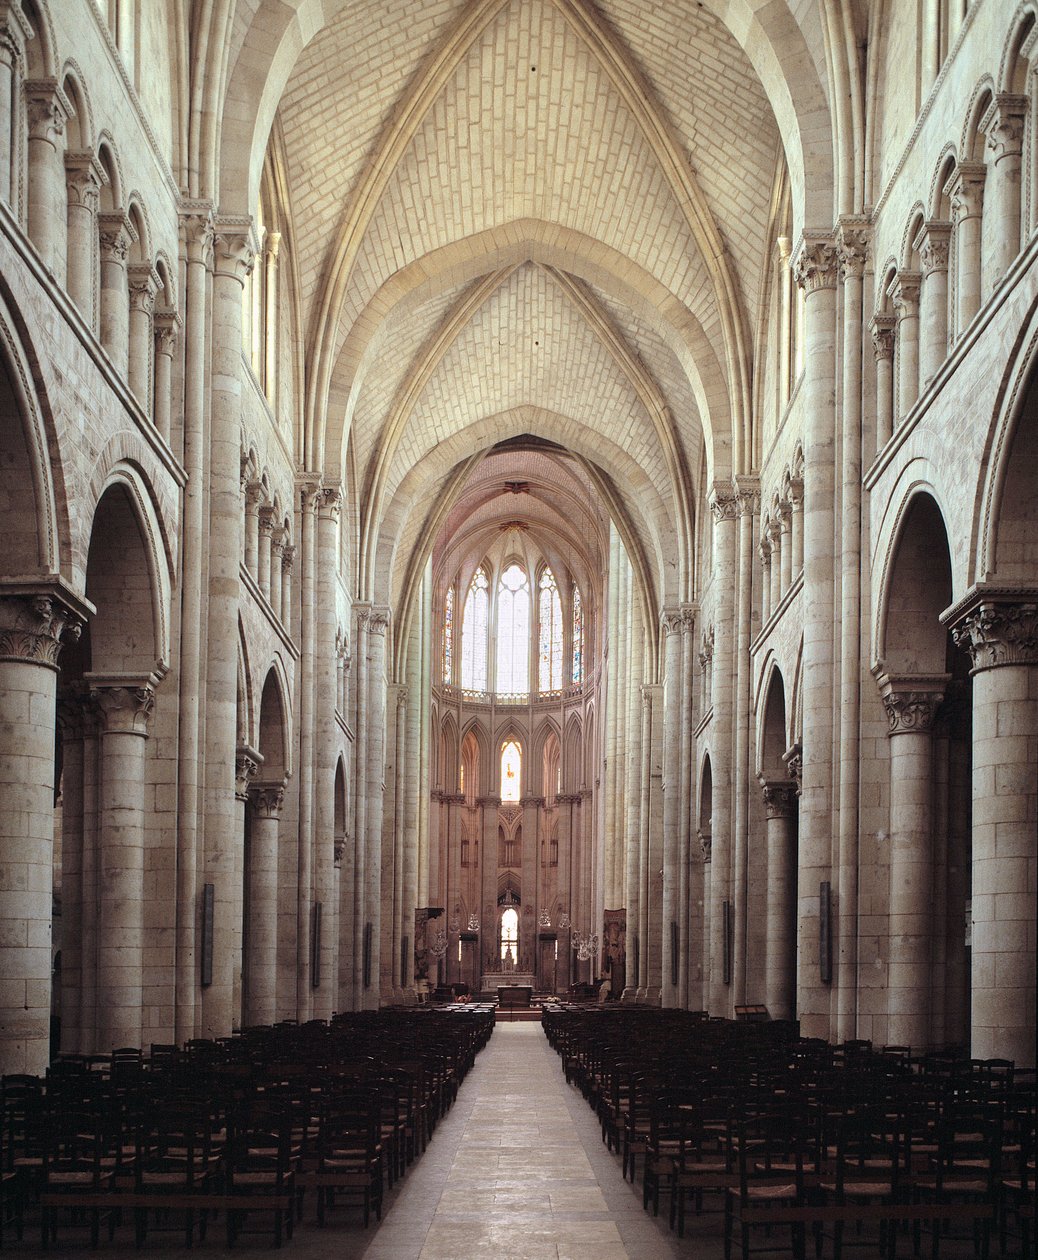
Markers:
{"x": 527, "y": 216}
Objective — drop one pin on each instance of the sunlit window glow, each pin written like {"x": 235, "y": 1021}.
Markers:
{"x": 549, "y": 615}
{"x": 511, "y": 771}
{"x": 513, "y": 631}
{"x": 578, "y": 636}
{"x": 474, "y": 633}
{"x": 509, "y": 936}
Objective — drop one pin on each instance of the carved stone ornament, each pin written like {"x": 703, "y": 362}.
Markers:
{"x": 780, "y": 797}
{"x": 965, "y": 190}
{"x": 793, "y": 758}
{"x": 814, "y": 267}
{"x": 196, "y": 226}
{"x": 48, "y": 110}
{"x": 339, "y": 849}
{"x": 882, "y": 330}
{"x": 267, "y": 799}
{"x": 288, "y": 556}
{"x": 934, "y": 246}
{"x": 671, "y": 621}
{"x": 167, "y": 329}
{"x": 904, "y": 293}
{"x": 852, "y": 246}
{"x": 331, "y": 501}
{"x": 233, "y": 254}
{"x": 378, "y": 620}
{"x": 724, "y": 502}
{"x": 688, "y": 618}
{"x": 32, "y": 628}
{"x": 705, "y": 844}
{"x": 996, "y": 627}
{"x": 747, "y": 494}
{"x": 246, "y": 767}
{"x": 1004, "y": 124}
{"x": 115, "y": 233}
{"x": 125, "y": 707}
{"x": 84, "y": 179}
{"x": 143, "y": 285}
{"x": 911, "y": 702}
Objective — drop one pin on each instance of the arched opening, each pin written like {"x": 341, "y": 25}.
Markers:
{"x": 778, "y": 914}
{"x": 925, "y": 688}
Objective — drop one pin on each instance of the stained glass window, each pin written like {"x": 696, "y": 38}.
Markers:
{"x": 509, "y": 936}
{"x": 511, "y": 771}
{"x": 513, "y": 631}
{"x": 448, "y": 636}
{"x": 578, "y": 636}
{"x": 549, "y": 615}
{"x": 474, "y": 633}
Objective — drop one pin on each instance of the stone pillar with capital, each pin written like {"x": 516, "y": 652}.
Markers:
{"x": 263, "y": 559}
{"x": 49, "y": 111}
{"x": 84, "y": 179}
{"x": 780, "y": 808}
{"x": 116, "y": 234}
{"x": 965, "y": 188}
{"x": 904, "y": 292}
{"x": 378, "y": 632}
{"x": 261, "y": 878}
{"x": 166, "y": 325}
{"x": 124, "y": 706}
{"x": 816, "y": 272}
{"x": 998, "y": 626}
{"x": 232, "y": 263}
{"x": 76, "y": 720}
{"x": 246, "y": 767}
{"x": 491, "y": 806}
{"x": 911, "y": 702}
{"x": 673, "y": 702}
{"x": 143, "y": 285}
{"x": 33, "y": 624}
{"x": 933, "y": 243}
{"x": 882, "y": 329}
{"x": 1004, "y": 125}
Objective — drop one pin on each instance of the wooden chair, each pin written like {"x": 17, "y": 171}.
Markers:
{"x": 259, "y": 1173}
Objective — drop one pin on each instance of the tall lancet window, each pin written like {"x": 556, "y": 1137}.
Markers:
{"x": 549, "y": 614}
{"x": 448, "y": 636}
{"x": 474, "y": 633}
{"x": 513, "y": 631}
{"x": 578, "y": 636}
{"x": 511, "y": 771}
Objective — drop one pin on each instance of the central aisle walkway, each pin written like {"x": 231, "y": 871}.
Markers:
{"x": 518, "y": 1169}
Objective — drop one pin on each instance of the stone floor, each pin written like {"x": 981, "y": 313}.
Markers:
{"x": 516, "y": 1169}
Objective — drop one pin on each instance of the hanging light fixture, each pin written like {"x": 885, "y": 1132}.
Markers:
{"x": 545, "y": 920}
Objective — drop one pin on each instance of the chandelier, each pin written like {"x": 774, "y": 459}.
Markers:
{"x": 586, "y": 946}
{"x": 454, "y": 927}
{"x": 473, "y": 922}
{"x": 438, "y": 944}
{"x": 563, "y": 921}
{"x": 545, "y": 920}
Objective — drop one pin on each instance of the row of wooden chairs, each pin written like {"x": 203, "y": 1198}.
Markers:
{"x": 789, "y": 1134}
{"x": 242, "y": 1128}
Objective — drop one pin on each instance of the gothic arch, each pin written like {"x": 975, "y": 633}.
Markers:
{"x": 273, "y": 736}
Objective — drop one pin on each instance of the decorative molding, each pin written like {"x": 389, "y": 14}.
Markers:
{"x": 780, "y": 797}
{"x": 246, "y": 767}
{"x": 34, "y": 626}
{"x": 882, "y": 328}
{"x": 853, "y": 233}
{"x": 996, "y": 625}
{"x": 267, "y": 799}
{"x": 793, "y": 759}
{"x": 724, "y": 503}
{"x": 911, "y": 700}
{"x": 816, "y": 263}
{"x": 933, "y": 241}
{"x": 125, "y": 704}
{"x": 1003, "y": 124}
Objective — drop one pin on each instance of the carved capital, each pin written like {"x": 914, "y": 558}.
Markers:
{"x": 167, "y": 330}
{"x": 671, "y": 621}
{"x": 246, "y": 767}
{"x": 911, "y": 701}
{"x": 143, "y": 284}
{"x": 196, "y": 229}
{"x": 998, "y": 626}
{"x": 330, "y": 501}
{"x": 125, "y": 705}
{"x": 1004, "y": 124}
{"x": 934, "y": 245}
{"x": 904, "y": 293}
{"x": 267, "y": 520}
{"x": 48, "y": 110}
{"x": 267, "y": 799}
{"x": 764, "y": 547}
{"x": 310, "y": 493}
{"x": 34, "y": 626}
{"x": 747, "y": 494}
{"x": 724, "y": 502}
{"x": 882, "y": 330}
{"x": 339, "y": 848}
{"x": 77, "y": 716}
{"x": 401, "y": 697}
{"x": 115, "y": 233}
{"x": 233, "y": 255}
{"x": 288, "y": 556}
{"x": 793, "y": 759}
{"x": 815, "y": 264}
{"x": 378, "y": 620}
{"x": 852, "y": 245}
{"x": 965, "y": 190}
{"x": 84, "y": 179}
{"x": 780, "y": 797}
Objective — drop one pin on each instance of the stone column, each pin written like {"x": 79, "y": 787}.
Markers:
{"x": 780, "y": 806}
{"x": 75, "y": 715}
{"x": 116, "y": 233}
{"x": 999, "y": 629}
{"x": 143, "y": 285}
{"x": 378, "y": 627}
{"x": 748, "y": 494}
{"x": 911, "y": 702}
{"x": 488, "y": 873}
{"x": 125, "y": 705}
{"x": 167, "y": 327}
{"x": 767, "y": 607}
{"x": 904, "y": 291}
{"x": 796, "y": 525}
{"x": 706, "y": 850}
{"x": 882, "y": 330}
{"x": 785, "y": 546}
{"x": 261, "y": 961}
{"x": 32, "y": 625}
{"x": 688, "y": 807}
{"x": 530, "y": 863}
{"x": 775, "y": 575}
{"x": 246, "y": 764}
{"x": 325, "y": 747}
{"x": 253, "y": 499}
{"x": 816, "y": 272}
{"x": 266, "y": 531}
{"x": 49, "y": 110}
{"x": 84, "y": 179}
{"x": 233, "y": 262}
{"x": 632, "y": 798}
{"x": 933, "y": 244}
{"x": 1004, "y": 125}
{"x": 288, "y": 555}
{"x": 271, "y": 246}
{"x": 724, "y": 505}
{"x": 312, "y": 613}
{"x": 673, "y": 697}
{"x": 965, "y": 188}
{"x": 352, "y": 904}
{"x": 14, "y": 31}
